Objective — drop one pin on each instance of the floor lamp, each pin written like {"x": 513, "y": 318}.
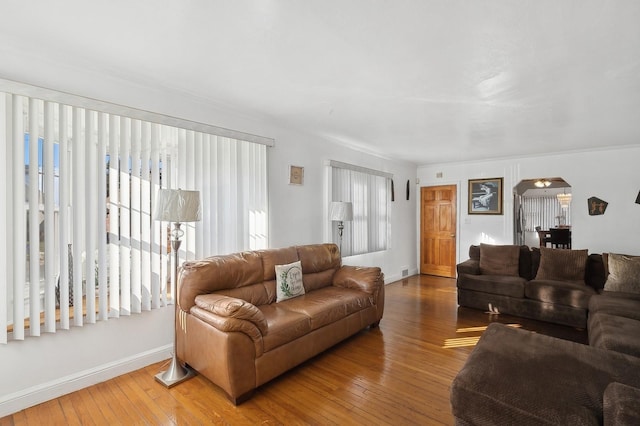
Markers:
{"x": 177, "y": 206}
{"x": 340, "y": 212}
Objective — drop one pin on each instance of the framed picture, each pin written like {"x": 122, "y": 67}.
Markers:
{"x": 296, "y": 175}
{"x": 485, "y": 196}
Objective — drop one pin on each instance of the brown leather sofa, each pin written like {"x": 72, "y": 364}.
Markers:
{"x": 231, "y": 330}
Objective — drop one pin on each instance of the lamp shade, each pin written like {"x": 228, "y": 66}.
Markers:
{"x": 341, "y": 211}
{"x": 176, "y": 205}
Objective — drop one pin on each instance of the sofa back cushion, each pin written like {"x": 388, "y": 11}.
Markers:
{"x": 319, "y": 264}
{"x": 499, "y": 259}
{"x": 216, "y": 273}
{"x": 524, "y": 259}
{"x": 562, "y": 265}
{"x": 624, "y": 273}
{"x": 251, "y": 275}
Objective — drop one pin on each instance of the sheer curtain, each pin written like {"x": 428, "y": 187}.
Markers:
{"x": 79, "y": 243}
{"x": 369, "y": 192}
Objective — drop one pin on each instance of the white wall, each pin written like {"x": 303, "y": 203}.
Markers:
{"x": 41, "y": 368}
{"x": 609, "y": 174}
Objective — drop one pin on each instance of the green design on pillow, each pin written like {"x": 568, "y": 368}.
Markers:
{"x": 289, "y": 281}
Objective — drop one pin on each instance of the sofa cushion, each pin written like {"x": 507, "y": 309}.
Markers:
{"x": 562, "y": 265}
{"x": 499, "y": 259}
{"x": 289, "y": 281}
{"x": 283, "y": 325}
{"x": 614, "y": 333}
{"x": 624, "y": 273}
{"x": 566, "y": 293}
{"x": 494, "y": 284}
{"x": 328, "y": 305}
{"x": 614, "y": 304}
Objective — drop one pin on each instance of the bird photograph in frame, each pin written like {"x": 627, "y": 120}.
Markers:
{"x": 485, "y": 196}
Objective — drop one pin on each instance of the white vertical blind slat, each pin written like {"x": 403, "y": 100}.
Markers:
{"x": 155, "y": 226}
{"x": 34, "y": 219}
{"x": 145, "y": 216}
{"x": 136, "y": 258}
{"x": 114, "y": 217}
{"x": 19, "y": 220}
{"x": 50, "y": 257}
{"x": 103, "y": 249}
{"x": 91, "y": 213}
{"x": 125, "y": 217}
{"x": 78, "y": 205}
{"x": 64, "y": 219}
{"x": 5, "y": 166}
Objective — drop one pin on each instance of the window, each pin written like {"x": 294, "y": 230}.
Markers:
{"x": 369, "y": 192}
{"x": 79, "y": 186}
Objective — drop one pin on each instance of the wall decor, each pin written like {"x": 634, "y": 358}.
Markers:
{"x": 596, "y": 206}
{"x": 393, "y": 191}
{"x": 408, "y": 189}
{"x": 296, "y": 175}
{"x": 485, "y": 196}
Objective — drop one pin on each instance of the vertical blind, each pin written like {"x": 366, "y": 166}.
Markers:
{"x": 78, "y": 243}
{"x": 369, "y": 192}
{"x": 544, "y": 212}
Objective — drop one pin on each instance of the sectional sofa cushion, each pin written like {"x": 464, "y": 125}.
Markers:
{"x": 566, "y": 293}
{"x": 499, "y": 259}
{"x": 624, "y": 273}
{"x": 493, "y": 284}
{"x": 614, "y": 333}
{"x": 562, "y": 265}
{"x": 620, "y": 404}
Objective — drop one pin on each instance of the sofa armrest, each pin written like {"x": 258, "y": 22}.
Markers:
{"x": 469, "y": 266}
{"x": 230, "y": 325}
{"x": 368, "y": 279}
{"x": 232, "y": 308}
{"x": 620, "y": 404}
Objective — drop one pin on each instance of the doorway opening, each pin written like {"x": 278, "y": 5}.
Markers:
{"x": 540, "y": 204}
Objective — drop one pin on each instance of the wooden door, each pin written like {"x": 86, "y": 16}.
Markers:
{"x": 438, "y": 230}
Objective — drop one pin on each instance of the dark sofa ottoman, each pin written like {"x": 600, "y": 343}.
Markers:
{"x": 519, "y": 377}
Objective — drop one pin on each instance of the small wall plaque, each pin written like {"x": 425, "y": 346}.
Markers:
{"x": 296, "y": 175}
{"x": 596, "y": 206}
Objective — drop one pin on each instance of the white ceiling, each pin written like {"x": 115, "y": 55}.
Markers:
{"x": 427, "y": 81}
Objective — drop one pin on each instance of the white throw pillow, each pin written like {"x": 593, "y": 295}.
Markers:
{"x": 289, "y": 281}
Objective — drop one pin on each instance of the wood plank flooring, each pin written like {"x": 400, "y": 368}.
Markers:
{"x": 397, "y": 374}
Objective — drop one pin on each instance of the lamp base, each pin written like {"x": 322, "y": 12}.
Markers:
{"x": 175, "y": 374}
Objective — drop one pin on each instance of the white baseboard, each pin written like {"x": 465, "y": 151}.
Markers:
{"x": 17, "y": 401}
{"x": 398, "y": 277}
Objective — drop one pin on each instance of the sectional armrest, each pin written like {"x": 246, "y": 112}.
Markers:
{"x": 231, "y": 308}
{"x": 620, "y": 404}
{"x": 469, "y": 266}
{"x": 368, "y": 279}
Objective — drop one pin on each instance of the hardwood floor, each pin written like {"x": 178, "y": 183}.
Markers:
{"x": 397, "y": 374}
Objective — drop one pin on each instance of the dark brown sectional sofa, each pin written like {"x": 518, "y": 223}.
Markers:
{"x": 509, "y": 280}
{"x": 514, "y": 376}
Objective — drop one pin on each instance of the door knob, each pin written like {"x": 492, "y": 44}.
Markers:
{"x": 453, "y": 235}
